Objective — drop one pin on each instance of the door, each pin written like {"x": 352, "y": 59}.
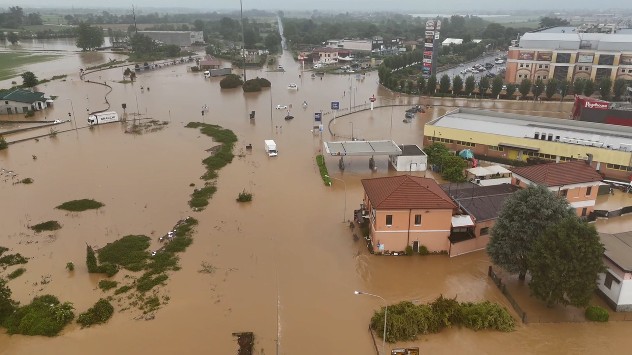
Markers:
{"x": 512, "y": 154}
{"x": 413, "y": 166}
{"x": 416, "y": 246}
{"x": 9, "y": 111}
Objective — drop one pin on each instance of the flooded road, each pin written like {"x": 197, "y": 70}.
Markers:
{"x": 286, "y": 264}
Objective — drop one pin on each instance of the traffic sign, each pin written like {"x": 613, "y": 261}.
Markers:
{"x": 318, "y": 116}
{"x": 335, "y": 105}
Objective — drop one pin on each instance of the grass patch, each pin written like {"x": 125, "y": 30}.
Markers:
{"x": 13, "y": 259}
{"x": 122, "y": 289}
{"x": 129, "y": 252}
{"x": 45, "y": 315}
{"x": 149, "y": 281}
{"x": 80, "y": 205}
{"x": 100, "y": 313}
{"x": 10, "y": 62}
{"x": 106, "y": 65}
{"x": 27, "y": 181}
{"x": 46, "y": 226}
{"x": 597, "y": 314}
{"x": 322, "y": 167}
{"x": 107, "y": 284}
{"x": 16, "y": 273}
{"x": 151, "y": 304}
{"x": 200, "y": 197}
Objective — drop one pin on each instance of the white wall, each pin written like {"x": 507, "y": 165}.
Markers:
{"x": 612, "y": 292}
{"x": 404, "y": 163}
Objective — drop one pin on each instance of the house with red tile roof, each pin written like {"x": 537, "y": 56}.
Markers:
{"x": 408, "y": 211}
{"x": 576, "y": 180}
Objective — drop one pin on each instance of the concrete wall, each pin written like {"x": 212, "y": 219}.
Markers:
{"x": 409, "y": 162}
{"x": 619, "y": 294}
{"x": 20, "y": 107}
{"x": 478, "y": 243}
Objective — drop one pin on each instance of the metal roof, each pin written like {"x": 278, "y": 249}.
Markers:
{"x": 618, "y": 249}
{"x": 362, "y": 148}
{"x": 24, "y": 96}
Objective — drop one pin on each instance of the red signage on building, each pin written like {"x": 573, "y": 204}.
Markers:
{"x": 596, "y": 105}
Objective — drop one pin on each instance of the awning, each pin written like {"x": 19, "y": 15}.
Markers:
{"x": 49, "y": 101}
{"x": 508, "y": 145}
{"x": 462, "y": 221}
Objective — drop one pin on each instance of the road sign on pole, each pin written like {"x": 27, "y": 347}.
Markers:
{"x": 335, "y": 105}
{"x": 318, "y": 116}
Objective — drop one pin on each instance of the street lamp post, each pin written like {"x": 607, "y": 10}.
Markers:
{"x": 73, "y": 113}
{"x": 344, "y": 211}
{"x": 385, "y": 314}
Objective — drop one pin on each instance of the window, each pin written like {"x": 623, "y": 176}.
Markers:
{"x": 564, "y": 193}
{"x": 584, "y": 211}
{"x": 536, "y": 135}
{"x": 557, "y": 138}
{"x": 609, "y": 279}
{"x": 563, "y": 58}
{"x": 550, "y": 137}
{"x": 485, "y": 231}
{"x": 389, "y": 220}
{"x": 417, "y": 219}
{"x": 606, "y": 59}
{"x": 588, "y": 190}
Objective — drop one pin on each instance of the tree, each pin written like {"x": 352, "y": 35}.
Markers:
{"x": 444, "y": 84}
{"x": 421, "y": 84}
{"x": 88, "y": 37}
{"x": 452, "y": 168}
{"x": 142, "y": 44}
{"x": 29, "y": 79}
{"x": 524, "y": 88}
{"x": 578, "y": 86}
{"x": 511, "y": 89}
{"x": 605, "y": 88}
{"x": 497, "y": 86}
{"x": 553, "y": 22}
{"x": 457, "y": 85}
{"x": 231, "y": 81}
{"x": 470, "y": 84}
{"x": 12, "y": 37}
{"x": 483, "y": 85}
{"x": 619, "y": 89}
{"x": 273, "y": 42}
{"x": 551, "y": 88}
{"x": 3, "y": 143}
{"x": 538, "y": 88}
{"x": 7, "y": 305}
{"x": 198, "y": 25}
{"x": 436, "y": 151}
{"x": 523, "y": 218}
{"x": 563, "y": 86}
{"x": 431, "y": 86}
{"x": 91, "y": 260}
{"x": 589, "y": 87}
{"x": 565, "y": 262}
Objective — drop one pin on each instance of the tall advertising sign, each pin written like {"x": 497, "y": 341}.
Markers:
{"x": 431, "y": 47}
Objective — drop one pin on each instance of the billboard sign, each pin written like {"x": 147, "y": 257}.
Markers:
{"x": 626, "y": 59}
{"x": 318, "y": 116}
{"x": 525, "y": 55}
{"x": 545, "y": 56}
{"x": 585, "y": 57}
{"x": 335, "y": 105}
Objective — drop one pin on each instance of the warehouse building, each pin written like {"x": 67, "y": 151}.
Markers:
{"x": 178, "y": 38}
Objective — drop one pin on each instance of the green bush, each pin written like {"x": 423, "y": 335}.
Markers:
{"x": 13, "y": 259}
{"x": 597, "y": 314}
{"x": 3, "y": 143}
{"x": 80, "y": 205}
{"x": 406, "y": 320}
{"x": 230, "y": 81}
{"x": 100, "y": 313}
{"x": 95, "y": 268}
{"x": 107, "y": 284}
{"x": 322, "y": 167}
{"x": 244, "y": 197}
{"x": 264, "y": 83}
{"x": 409, "y": 250}
{"x": 27, "y": 181}
{"x": 251, "y": 85}
{"x": 122, "y": 289}
{"x": 16, "y": 273}
{"x": 45, "y": 315}
{"x": 423, "y": 250}
{"x": 70, "y": 266}
{"x": 46, "y": 226}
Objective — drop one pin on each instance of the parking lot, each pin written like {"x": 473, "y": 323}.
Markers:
{"x": 464, "y": 70}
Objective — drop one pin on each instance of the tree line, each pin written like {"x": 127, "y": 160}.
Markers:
{"x": 16, "y": 18}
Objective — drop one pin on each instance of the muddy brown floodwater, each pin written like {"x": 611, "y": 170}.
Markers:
{"x": 286, "y": 265}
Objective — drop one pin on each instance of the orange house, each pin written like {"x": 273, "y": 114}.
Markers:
{"x": 576, "y": 180}
{"x": 407, "y": 211}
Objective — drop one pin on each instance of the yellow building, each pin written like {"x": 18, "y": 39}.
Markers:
{"x": 519, "y": 137}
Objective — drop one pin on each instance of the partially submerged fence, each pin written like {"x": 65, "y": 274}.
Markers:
{"x": 503, "y": 288}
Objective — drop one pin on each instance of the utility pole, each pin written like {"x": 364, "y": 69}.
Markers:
{"x": 243, "y": 39}
{"x": 134, "y": 16}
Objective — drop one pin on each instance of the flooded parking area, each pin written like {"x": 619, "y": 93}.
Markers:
{"x": 285, "y": 264}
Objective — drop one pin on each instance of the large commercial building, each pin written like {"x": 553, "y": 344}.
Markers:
{"x": 178, "y": 38}
{"x": 564, "y": 53}
{"x": 519, "y": 137}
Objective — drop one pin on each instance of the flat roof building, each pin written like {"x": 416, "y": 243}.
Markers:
{"x": 564, "y": 53}
{"x": 519, "y": 137}
{"x": 178, "y": 38}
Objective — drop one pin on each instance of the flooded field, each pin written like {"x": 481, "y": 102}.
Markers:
{"x": 286, "y": 264}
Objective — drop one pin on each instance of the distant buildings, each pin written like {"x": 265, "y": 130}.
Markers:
{"x": 565, "y": 54}
{"x": 22, "y": 101}
{"x": 178, "y": 38}
{"x": 360, "y": 45}
{"x": 519, "y": 137}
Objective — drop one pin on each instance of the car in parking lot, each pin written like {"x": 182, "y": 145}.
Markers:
{"x": 410, "y": 115}
{"x": 499, "y": 61}
{"x": 481, "y": 69}
{"x": 281, "y": 107}
{"x": 490, "y": 75}
{"x": 489, "y": 65}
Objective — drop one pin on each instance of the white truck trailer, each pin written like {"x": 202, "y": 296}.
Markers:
{"x": 103, "y": 117}
{"x": 271, "y": 148}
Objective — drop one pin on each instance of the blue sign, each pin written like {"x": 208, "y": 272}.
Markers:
{"x": 335, "y": 105}
{"x": 318, "y": 116}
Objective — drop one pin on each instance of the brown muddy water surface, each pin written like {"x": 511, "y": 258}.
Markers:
{"x": 286, "y": 266}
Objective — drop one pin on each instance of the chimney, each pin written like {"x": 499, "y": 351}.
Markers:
{"x": 589, "y": 160}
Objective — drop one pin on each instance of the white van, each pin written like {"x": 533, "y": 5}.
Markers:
{"x": 271, "y": 148}
{"x": 207, "y": 74}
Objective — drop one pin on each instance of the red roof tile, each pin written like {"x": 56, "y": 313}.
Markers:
{"x": 559, "y": 174}
{"x": 406, "y": 192}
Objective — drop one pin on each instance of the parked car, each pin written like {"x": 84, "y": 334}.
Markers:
{"x": 415, "y": 109}
{"x": 499, "y": 61}
{"x": 481, "y": 69}
{"x": 490, "y": 75}
{"x": 281, "y": 107}
{"x": 489, "y": 65}
{"x": 410, "y": 115}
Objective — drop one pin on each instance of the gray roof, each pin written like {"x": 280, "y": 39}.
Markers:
{"x": 618, "y": 249}
{"x": 524, "y": 126}
{"x": 482, "y": 202}
{"x": 343, "y": 148}
{"x": 411, "y": 149}
{"x": 555, "y": 39}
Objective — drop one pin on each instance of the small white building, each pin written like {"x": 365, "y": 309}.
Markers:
{"x": 616, "y": 283}
{"x": 22, "y": 101}
{"x": 449, "y": 41}
{"x": 411, "y": 159}
{"x": 489, "y": 175}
